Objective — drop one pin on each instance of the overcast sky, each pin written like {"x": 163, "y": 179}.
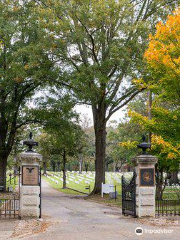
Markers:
{"x": 86, "y": 111}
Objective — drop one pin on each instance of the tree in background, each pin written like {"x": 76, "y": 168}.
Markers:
{"x": 46, "y": 149}
{"x": 125, "y": 132}
{"x": 163, "y": 58}
{"x": 99, "y": 46}
{"x": 88, "y": 153}
{"x": 165, "y": 142}
{"x": 24, "y": 66}
{"x": 65, "y": 142}
{"x": 60, "y": 122}
{"x": 125, "y": 137}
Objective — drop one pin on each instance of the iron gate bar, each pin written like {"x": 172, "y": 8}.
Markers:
{"x": 168, "y": 207}
{"x": 129, "y": 196}
{"x": 10, "y": 203}
{"x": 9, "y": 208}
{"x": 40, "y": 192}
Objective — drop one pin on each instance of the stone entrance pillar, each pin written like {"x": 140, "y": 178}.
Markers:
{"x": 30, "y": 182}
{"x": 145, "y": 182}
{"x": 145, "y": 185}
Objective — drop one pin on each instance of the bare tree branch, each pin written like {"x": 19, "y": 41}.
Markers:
{"x": 113, "y": 110}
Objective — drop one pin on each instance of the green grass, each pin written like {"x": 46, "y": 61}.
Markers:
{"x": 171, "y": 193}
{"x": 168, "y": 207}
{"x": 105, "y": 200}
{"x": 79, "y": 187}
{"x": 170, "y": 202}
{"x": 59, "y": 187}
{"x": 12, "y": 184}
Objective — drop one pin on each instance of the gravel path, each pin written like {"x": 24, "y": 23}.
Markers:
{"x": 69, "y": 218}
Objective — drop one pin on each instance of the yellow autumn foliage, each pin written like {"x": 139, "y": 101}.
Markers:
{"x": 129, "y": 144}
{"x": 166, "y": 148}
{"x": 163, "y": 50}
{"x": 173, "y": 152}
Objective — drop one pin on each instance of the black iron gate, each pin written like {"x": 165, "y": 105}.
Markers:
{"x": 169, "y": 203}
{"x": 129, "y": 195}
{"x": 40, "y": 205}
{"x": 9, "y": 207}
{"x": 10, "y": 200}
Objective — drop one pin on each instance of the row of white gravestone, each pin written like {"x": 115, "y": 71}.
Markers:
{"x": 74, "y": 175}
{"x": 88, "y": 178}
{"x": 112, "y": 175}
{"x": 70, "y": 175}
{"x": 68, "y": 181}
{"x": 91, "y": 175}
{"x": 56, "y": 181}
{"x": 72, "y": 179}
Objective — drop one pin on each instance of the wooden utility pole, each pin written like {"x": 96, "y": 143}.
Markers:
{"x": 149, "y": 112}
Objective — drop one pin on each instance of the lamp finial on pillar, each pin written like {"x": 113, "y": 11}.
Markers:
{"x": 144, "y": 145}
{"x": 30, "y": 143}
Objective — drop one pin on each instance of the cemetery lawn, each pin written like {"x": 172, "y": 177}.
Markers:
{"x": 80, "y": 182}
{"x": 59, "y": 187}
{"x": 77, "y": 184}
{"x": 105, "y": 200}
{"x": 14, "y": 181}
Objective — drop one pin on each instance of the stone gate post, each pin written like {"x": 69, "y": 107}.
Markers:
{"x": 30, "y": 181}
{"x": 145, "y": 183}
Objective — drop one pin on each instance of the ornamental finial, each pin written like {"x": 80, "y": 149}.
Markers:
{"x": 30, "y": 143}
{"x": 144, "y": 145}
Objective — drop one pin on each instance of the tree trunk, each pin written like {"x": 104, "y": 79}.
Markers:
{"x": 3, "y": 166}
{"x": 106, "y": 166}
{"x": 159, "y": 191}
{"x": 100, "y": 148}
{"x": 80, "y": 163}
{"x": 174, "y": 177}
{"x": 64, "y": 169}
{"x": 58, "y": 166}
{"x": 53, "y": 166}
{"x": 150, "y": 113}
{"x": 86, "y": 167}
{"x": 159, "y": 184}
{"x": 44, "y": 167}
{"x": 114, "y": 166}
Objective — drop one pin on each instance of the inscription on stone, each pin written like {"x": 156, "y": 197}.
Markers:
{"x": 30, "y": 175}
{"x": 147, "y": 177}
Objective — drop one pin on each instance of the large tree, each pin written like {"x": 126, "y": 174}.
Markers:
{"x": 64, "y": 136}
{"x": 24, "y": 66}
{"x": 163, "y": 59}
{"x": 99, "y": 46}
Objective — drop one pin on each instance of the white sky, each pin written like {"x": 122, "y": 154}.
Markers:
{"x": 84, "y": 110}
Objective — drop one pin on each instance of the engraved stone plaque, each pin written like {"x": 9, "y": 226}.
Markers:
{"x": 147, "y": 177}
{"x": 30, "y": 175}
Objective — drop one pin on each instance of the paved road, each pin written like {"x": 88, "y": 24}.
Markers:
{"x": 78, "y": 219}
{"x": 6, "y": 228}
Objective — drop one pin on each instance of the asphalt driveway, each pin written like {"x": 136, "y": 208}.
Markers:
{"x": 69, "y": 218}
